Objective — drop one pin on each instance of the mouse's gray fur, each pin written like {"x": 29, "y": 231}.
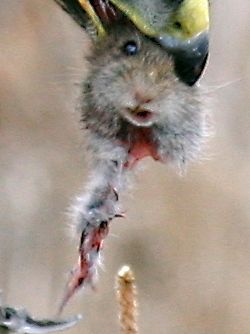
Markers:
{"x": 114, "y": 78}
{"x": 120, "y": 90}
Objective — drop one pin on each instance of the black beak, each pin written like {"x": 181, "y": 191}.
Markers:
{"x": 190, "y": 56}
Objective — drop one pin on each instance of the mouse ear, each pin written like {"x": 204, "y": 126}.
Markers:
{"x": 81, "y": 11}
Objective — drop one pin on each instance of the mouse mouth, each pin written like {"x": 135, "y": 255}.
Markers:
{"x": 139, "y": 116}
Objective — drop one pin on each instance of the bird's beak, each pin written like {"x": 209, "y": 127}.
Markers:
{"x": 190, "y": 55}
{"x": 184, "y": 35}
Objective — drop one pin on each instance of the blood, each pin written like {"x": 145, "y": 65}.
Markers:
{"x": 84, "y": 271}
{"x": 141, "y": 146}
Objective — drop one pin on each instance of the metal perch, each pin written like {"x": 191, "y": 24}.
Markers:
{"x": 19, "y": 321}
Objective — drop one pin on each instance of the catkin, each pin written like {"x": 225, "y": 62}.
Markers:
{"x": 126, "y": 296}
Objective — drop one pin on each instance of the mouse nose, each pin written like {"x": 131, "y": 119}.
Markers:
{"x": 143, "y": 98}
{"x": 140, "y": 111}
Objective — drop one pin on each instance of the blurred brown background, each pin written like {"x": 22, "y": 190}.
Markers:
{"x": 187, "y": 238}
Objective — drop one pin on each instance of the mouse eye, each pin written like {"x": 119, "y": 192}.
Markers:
{"x": 130, "y": 48}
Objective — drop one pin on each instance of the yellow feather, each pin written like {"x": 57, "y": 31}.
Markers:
{"x": 92, "y": 14}
{"x": 190, "y": 19}
{"x": 193, "y": 16}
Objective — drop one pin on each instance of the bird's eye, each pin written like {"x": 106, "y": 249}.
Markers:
{"x": 177, "y": 25}
{"x": 130, "y": 48}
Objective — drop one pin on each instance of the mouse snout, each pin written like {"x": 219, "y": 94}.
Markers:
{"x": 143, "y": 98}
{"x": 138, "y": 110}
{"x": 141, "y": 115}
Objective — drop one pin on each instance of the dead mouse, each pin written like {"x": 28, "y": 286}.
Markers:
{"x": 133, "y": 104}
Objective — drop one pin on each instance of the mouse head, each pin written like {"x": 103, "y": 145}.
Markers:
{"x": 132, "y": 79}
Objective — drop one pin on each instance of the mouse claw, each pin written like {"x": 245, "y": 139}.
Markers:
{"x": 120, "y": 215}
{"x": 115, "y": 191}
